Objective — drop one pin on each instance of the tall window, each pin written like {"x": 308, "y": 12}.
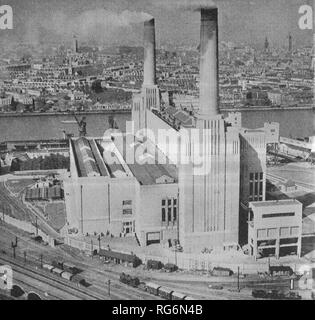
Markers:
{"x": 127, "y": 207}
{"x": 169, "y": 214}
{"x": 169, "y": 210}
{"x": 256, "y": 186}
{"x": 163, "y": 215}
{"x": 174, "y": 213}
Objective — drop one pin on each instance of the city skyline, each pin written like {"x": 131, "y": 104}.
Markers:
{"x": 120, "y": 22}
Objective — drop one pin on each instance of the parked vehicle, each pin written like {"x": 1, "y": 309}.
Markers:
{"x": 155, "y": 265}
{"x": 215, "y": 287}
{"x": 280, "y": 271}
{"x": 171, "y": 267}
{"x": 259, "y": 294}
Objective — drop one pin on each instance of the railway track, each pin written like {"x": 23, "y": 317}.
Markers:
{"x": 28, "y": 214}
{"x": 35, "y": 289}
{"x": 50, "y": 280}
{"x": 118, "y": 290}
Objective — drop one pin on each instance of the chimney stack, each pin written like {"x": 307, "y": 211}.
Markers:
{"x": 209, "y": 63}
{"x": 75, "y": 44}
{"x": 149, "y": 53}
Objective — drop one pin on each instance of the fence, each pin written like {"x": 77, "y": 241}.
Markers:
{"x": 203, "y": 263}
{"x": 182, "y": 260}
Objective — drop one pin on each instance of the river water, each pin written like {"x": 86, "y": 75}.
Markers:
{"x": 24, "y": 127}
{"x": 293, "y": 123}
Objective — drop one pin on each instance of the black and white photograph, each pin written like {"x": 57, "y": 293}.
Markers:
{"x": 157, "y": 150}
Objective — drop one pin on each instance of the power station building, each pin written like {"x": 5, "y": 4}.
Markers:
{"x": 194, "y": 176}
{"x": 222, "y": 167}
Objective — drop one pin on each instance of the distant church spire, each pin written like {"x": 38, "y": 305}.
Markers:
{"x": 266, "y": 44}
{"x": 290, "y": 45}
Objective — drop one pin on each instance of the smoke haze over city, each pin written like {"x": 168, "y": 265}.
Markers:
{"x": 119, "y": 22}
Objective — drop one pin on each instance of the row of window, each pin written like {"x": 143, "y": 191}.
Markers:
{"x": 275, "y": 232}
{"x": 256, "y": 186}
{"x": 169, "y": 202}
{"x": 256, "y": 176}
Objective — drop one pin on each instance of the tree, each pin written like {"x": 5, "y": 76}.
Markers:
{"x": 97, "y": 86}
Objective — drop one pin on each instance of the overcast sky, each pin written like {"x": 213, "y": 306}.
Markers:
{"x": 108, "y": 21}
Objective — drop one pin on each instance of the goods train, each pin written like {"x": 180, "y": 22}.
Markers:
{"x": 66, "y": 271}
{"x": 153, "y": 288}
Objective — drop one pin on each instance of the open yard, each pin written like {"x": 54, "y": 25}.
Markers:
{"x": 56, "y": 214}
{"x": 17, "y": 186}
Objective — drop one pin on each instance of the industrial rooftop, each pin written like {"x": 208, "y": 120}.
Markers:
{"x": 107, "y": 158}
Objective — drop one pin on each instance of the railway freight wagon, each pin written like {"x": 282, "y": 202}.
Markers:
{"x": 57, "y": 271}
{"x": 67, "y": 275}
{"x": 57, "y": 264}
{"x": 71, "y": 268}
{"x": 79, "y": 281}
{"x": 178, "y": 296}
{"x": 165, "y": 293}
{"x": 153, "y": 288}
{"x": 48, "y": 267}
{"x": 75, "y": 278}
